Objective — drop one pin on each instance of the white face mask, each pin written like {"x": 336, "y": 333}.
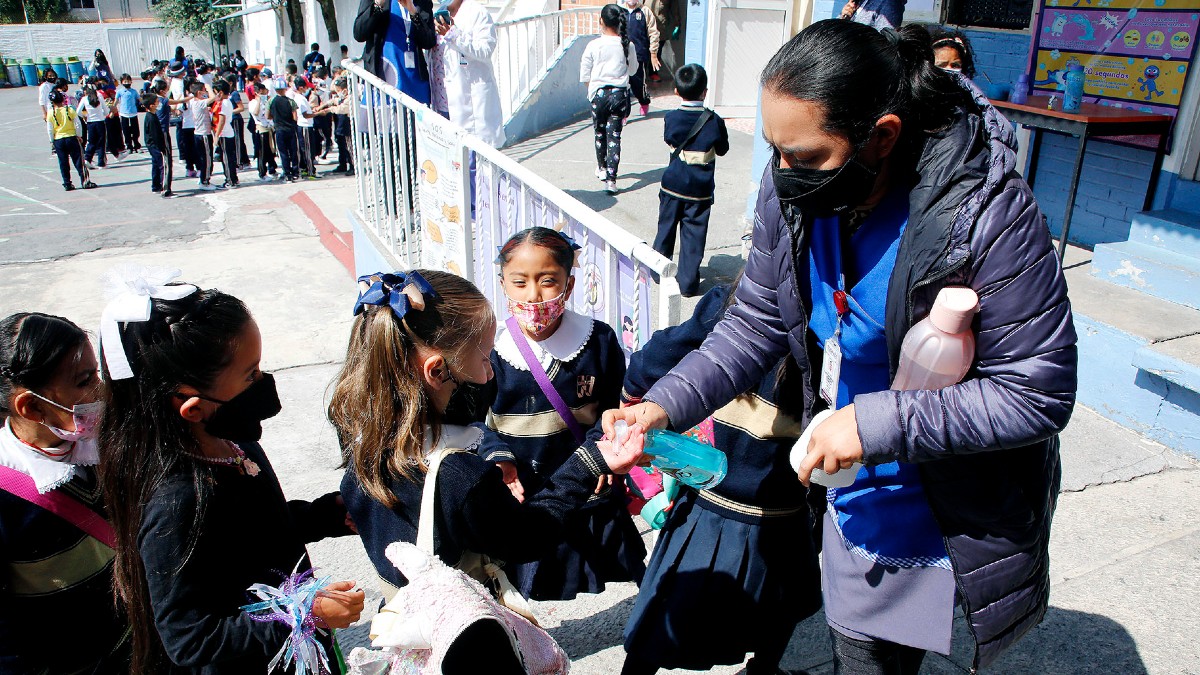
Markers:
{"x": 86, "y": 417}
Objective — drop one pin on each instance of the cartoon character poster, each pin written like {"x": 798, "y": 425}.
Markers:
{"x": 1135, "y": 53}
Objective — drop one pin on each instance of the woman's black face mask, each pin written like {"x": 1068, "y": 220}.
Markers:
{"x": 240, "y": 418}
{"x": 823, "y": 192}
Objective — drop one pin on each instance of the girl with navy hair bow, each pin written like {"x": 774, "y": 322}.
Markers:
{"x": 420, "y": 343}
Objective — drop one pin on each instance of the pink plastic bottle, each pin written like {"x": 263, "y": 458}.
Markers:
{"x": 937, "y": 352}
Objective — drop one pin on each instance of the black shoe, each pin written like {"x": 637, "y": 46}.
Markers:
{"x": 89, "y": 185}
{"x": 168, "y": 194}
{"x": 68, "y": 187}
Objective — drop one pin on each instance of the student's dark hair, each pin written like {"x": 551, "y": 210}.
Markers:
{"x": 221, "y": 87}
{"x": 202, "y": 69}
{"x": 691, "y": 81}
{"x": 615, "y": 17}
{"x": 940, "y": 37}
{"x": 291, "y": 69}
{"x": 100, "y": 58}
{"x": 315, "y": 46}
{"x": 125, "y": 76}
{"x": 859, "y": 74}
{"x": 144, "y": 440}
{"x": 58, "y": 98}
{"x": 179, "y": 52}
{"x": 49, "y": 75}
{"x": 259, "y": 86}
{"x": 93, "y": 99}
{"x": 321, "y": 72}
{"x": 345, "y": 48}
{"x": 160, "y": 87}
{"x": 62, "y": 83}
{"x": 252, "y": 73}
{"x": 149, "y": 100}
{"x": 560, "y": 248}
{"x": 33, "y": 347}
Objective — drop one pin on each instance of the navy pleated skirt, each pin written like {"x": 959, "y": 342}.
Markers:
{"x": 601, "y": 544}
{"x": 717, "y": 589}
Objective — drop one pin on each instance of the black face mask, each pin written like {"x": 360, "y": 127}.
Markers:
{"x": 823, "y": 192}
{"x": 240, "y": 418}
{"x": 466, "y": 405}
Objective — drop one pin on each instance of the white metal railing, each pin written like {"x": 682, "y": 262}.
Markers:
{"x": 525, "y": 49}
{"x": 426, "y": 205}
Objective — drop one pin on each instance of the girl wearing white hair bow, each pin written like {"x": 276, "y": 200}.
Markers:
{"x": 201, "y": 516}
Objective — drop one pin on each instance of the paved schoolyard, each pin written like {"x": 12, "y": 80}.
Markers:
{"x": 1124, "y": 569}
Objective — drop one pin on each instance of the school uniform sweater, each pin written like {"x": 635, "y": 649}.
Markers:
{"x": 248, "y": 533}
{"x": 751, "y": 430}
{"x": 692, "y": 174}
{"x": 585, "y": 364}
{"x": 152, "y": 134}
{"x": 475, "y": 510}
{"x": 57, "y": 612}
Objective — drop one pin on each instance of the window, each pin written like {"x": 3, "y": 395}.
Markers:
{"x": 1010, "y": 14}
{"x": 83, "y": 4}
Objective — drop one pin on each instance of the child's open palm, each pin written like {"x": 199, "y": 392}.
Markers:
{"x": 511, "y": 480}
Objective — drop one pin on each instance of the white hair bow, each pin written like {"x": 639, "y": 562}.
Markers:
{"x": 130, "y": 289}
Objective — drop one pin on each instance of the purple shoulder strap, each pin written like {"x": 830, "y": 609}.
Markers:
{"x": 60, "y": 504}
{"x": 543, "y": 380}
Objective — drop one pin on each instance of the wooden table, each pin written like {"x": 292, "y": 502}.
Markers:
{"x": 1091, "y": 121}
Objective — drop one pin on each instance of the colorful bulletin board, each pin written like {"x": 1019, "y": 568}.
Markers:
{"x": 1136, "y": 53}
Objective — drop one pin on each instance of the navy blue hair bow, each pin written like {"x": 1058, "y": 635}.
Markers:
{"x": 388, "y": 290}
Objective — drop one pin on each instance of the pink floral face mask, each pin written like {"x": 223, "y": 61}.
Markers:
{"x": 535, "y": 317}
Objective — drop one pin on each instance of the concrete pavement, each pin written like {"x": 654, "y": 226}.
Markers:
{"x": 1123, "y": 550}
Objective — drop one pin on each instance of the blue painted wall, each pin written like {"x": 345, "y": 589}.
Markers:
{"x": 1114, "y": 177}
{"x": 559, "y": 98}
{"x": 695, "y": 46}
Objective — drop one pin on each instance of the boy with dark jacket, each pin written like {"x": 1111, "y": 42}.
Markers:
{"x": 153, "y": 139}
{"x": 697, "y": 137}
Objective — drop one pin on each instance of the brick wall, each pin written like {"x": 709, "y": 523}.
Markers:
{"x": 52, "y": 39}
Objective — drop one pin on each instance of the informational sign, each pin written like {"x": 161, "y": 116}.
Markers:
{"x": 441, "y": 198}
{"x": 1135, "y": 53}
{"x": 609, "y": 286}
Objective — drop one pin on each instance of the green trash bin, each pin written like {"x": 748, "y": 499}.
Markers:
{"x": 60, "y": 66}
{"x": 75, "y": 68}
{"x": 43, "y": 64}
{"x": 29, "y": 72}
{"x": 13, "y": 70}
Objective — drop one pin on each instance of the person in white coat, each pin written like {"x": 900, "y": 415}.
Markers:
{"x": 463, "y": 85}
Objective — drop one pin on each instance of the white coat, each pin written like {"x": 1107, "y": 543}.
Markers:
{"x": 462, "y": 68}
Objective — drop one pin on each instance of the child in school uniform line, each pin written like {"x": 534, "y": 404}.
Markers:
{"x": 223, "y": 132}
{"x": 735, "y": 567}
{"x": 577, "y": 366}
{"x": 94, "y": 110}
{"x": 64, "y": 132}
{"x": 643, "y": 32}
{"x": 202, "y": 125}
{"x": 697, "y": 136}
{"x": 608, "y": 62}
{"x": 306, "y": 136}
{"x": 160, "y": 179}
{"x": 56, "y": 541}
{"x": 201, "y": 516}
{"x": 264, "y": 133}
{"x": 127, "y": 109}
{"x": 162, "y": 113}
{"x": 418, "y": 351}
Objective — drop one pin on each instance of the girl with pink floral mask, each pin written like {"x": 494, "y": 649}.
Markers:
{"x": 56, "y": 544}
{"x": 555, "y": 371}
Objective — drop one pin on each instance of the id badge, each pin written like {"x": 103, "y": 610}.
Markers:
{"x": 831, "y": 371}
{"x": 410, "y": 60}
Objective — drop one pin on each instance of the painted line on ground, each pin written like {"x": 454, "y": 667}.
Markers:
{"x": 35, "y": 201}
{"x": 337, "y": 242}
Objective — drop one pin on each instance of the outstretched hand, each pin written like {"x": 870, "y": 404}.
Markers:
{"x": 622, "y": 458}
{"x": 509, "y": 470}
{"x": 834, "y": 445}
{"x": 649, "y": 415}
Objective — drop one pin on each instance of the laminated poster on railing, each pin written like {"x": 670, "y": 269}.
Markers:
{"x": 440, "y": 191}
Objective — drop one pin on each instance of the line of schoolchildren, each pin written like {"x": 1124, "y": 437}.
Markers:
{"x": 614, "y": 68}
{"x": 171, "y": 420}
{"x": 291, "y": 118}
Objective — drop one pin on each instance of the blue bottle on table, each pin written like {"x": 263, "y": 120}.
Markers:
{"x": 1073, "y": 94}
{"x": 691, "y": 462}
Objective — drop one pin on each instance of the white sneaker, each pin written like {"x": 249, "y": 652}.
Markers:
{"x": 209, "y": 187}
{"x": 601, "y": 174}
{"x": 610, "y": 186}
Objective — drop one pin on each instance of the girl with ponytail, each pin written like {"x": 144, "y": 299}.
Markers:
{"x": 892, "y": 179}
{"x": 608, "y": 63}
